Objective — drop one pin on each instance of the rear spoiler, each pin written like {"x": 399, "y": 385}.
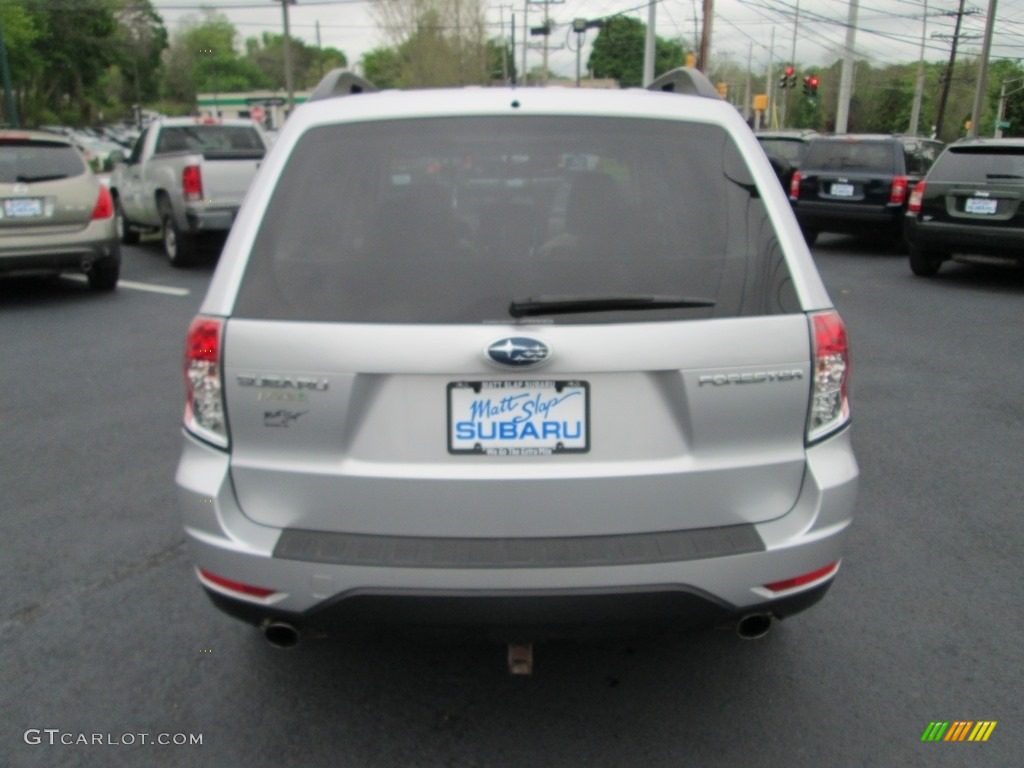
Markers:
{"x": 341, "y": 82}
{"x": 685, "y": 80}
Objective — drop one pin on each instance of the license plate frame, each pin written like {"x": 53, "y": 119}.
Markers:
{"x": 535, "y": 417}
{"x": 841, "y": 190}
{"x": 23, "y": 207}
{"x": 981, "y": 205}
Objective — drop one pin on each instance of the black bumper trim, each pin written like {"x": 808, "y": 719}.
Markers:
{"x": 531, "y": 616}
{"x": 540, "y": 552}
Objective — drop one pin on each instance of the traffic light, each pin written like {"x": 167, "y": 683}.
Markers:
{"x": 814, "y": 86}
{"x": 792, "y": 77}
{"x": 811, "y": 86}
{"x": 723, "y": 89}
{"x": 788, "y": 78}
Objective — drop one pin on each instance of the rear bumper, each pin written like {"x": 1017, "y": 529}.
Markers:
{"x": 328, "y": 585}
{"x": 516, "y": 617}
{"x": 56, "y": 253}
{"x": 846, "y": 217}
{"x": 957, "y": 238}
{"x": 211, "y": 219}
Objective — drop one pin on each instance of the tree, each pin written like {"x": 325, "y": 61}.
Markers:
{"x": 141, "y": 39}
{"x": 202, "y": 58}
{"x": 309, "y": 64}
{"x": 618, "y": 52}
{"x": 437, "y": 42}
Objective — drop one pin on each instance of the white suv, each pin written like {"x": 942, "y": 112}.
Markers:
{"x": 525, "y": 360}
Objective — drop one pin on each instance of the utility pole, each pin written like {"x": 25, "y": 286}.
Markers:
{"x": 526, "y": 41}
{"x": 513, "y": 25}
{"x": 319, "y": 52}
{"x": 287, "y": 54}
{"x": 770, "y": 83}
{"x": 649, "y": 44}
{"x": 979, "y": 92}
{"x": 947, "y": 79}
{"x": 915, "y": 111}
{"x": 792, "y": 61}
{"x": 746, "y": 91}
{"x": 846, "y": 76}
{"x": 705, "y": 38}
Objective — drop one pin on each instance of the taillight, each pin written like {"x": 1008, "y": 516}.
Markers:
{"x": 898, "y": 190}
{"x": 204, "y": 404}
{"x": 830, "y": 405}
{"x": 916, "y": 196}
{"x": 104, "y": 208}
{"x": 192, "y": 183}
{"x": 794, "y": 186}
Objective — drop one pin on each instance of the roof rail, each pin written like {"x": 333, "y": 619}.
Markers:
{"x": 341, "y": 82}
{"x": 686, "y": 80}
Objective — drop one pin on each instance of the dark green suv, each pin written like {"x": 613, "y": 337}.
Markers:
{"x": 968, "y": 204}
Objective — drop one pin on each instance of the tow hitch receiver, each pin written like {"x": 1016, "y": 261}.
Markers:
{"x": 520, "y": 658}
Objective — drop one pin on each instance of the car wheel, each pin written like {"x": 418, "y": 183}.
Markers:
{"x": 179, "y": 246}
{"x": 125, "y": 233}
{"x": 104, "y": 276}
{"x": 925, "y": 263}
{"x": 810, "y": 235}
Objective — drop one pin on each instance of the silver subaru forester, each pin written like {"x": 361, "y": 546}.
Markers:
{"x": 528, "y": 361}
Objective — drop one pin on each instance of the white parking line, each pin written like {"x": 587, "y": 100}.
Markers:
{"x": 132, "y": 285}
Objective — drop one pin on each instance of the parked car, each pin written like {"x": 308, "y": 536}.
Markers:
{"x": 55, "y": 216}
{"x": 859, "y": 183}
{"x": 785, "y": 150}
{"x": 185, "y": 177}
{"x": 970, "y": 203}
{"x": 506, "y": 359}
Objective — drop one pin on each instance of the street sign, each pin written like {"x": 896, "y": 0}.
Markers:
{"x": 256, "y": 113}
{"x": 1002, "y": 123}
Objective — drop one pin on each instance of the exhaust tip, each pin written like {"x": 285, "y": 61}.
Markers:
{"x": 281, "y": 635}
{"x": 754, "y": 626}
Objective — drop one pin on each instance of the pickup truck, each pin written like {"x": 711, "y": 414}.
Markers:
{"x": 185, "y": 177}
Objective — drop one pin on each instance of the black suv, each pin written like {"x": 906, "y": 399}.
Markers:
{"x": 969, "y": 203}
{"x": 859, "y": 183}
{"x": 785, "y": 150}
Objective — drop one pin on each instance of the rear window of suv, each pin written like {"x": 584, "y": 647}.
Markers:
{"x": 26, "y": 161}
{"x": 867, "y": 156}
{"x": 449, "y": 220}
{"x": 980, "y": 164}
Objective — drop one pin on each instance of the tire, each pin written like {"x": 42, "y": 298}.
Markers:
{"x": 179, "y": 246}
{"x": 810, "y": 235}
{"x": 104, "y": 276}
{"x": 925, "y": 263}
{"x": 125, "y": 233}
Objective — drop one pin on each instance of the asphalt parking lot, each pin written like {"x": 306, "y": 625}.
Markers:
{"x": 104, "y": 631}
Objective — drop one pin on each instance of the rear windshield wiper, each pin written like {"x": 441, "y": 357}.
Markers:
{"x": 31, "y": 179}
{"x": 562, "y": 305}
{"x": 1003, "y": 176}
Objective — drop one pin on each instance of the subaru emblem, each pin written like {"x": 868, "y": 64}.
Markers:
{"x": 518, "y": 351}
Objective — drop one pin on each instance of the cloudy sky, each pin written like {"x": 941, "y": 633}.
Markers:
{"x": 888, "y": 31}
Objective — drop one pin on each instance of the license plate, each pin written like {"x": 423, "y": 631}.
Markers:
{"x": 979, "y": 205}
{"x": 842, "y": 190}
{"x": 23, "y": 207}
{"x": 518, "y": 418}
